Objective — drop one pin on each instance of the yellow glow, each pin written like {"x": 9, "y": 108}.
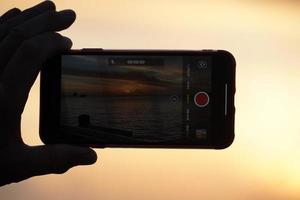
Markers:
{"x": 263, "y": 163}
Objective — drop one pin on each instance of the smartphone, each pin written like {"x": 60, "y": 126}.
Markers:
{"x": 139, "y": 98}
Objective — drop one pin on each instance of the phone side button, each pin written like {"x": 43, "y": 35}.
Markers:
{"x": 92, "y": 49}
{"x": 209, "y": 50}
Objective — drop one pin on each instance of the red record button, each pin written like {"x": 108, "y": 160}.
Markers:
{"x": 201, "y": 99}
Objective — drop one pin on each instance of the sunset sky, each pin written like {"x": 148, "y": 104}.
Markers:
{"x": 93, "y": 75}
{"x": 264, "y": 160}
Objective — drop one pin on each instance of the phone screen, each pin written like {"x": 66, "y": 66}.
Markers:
{"x": 128, "y": 99}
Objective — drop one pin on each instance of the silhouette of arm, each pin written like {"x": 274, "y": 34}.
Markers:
{"x": 27, "y": 39}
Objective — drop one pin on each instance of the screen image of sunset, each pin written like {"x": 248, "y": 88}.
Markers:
{"x": 134, "y": 99}
{"x": 131, "y": 99}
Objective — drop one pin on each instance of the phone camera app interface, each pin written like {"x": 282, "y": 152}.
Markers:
{"x": 136, "y": 99}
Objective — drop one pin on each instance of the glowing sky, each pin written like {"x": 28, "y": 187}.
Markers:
{"x": 92, "y": 75}
{"x": 263, "y": 162}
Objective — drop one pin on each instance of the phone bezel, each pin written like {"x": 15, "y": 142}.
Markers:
{"x": 50, "y": 97}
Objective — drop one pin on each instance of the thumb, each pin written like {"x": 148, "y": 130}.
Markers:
{"x": 57, "y": 159}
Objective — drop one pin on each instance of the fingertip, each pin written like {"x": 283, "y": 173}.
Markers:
{"x": 49, "y": 5}
{"x": 88, "y": 156}
{"x": 15, "y": 10}
{"x": 69, "y": 16}
{"x": 71, "y": 13}
{"x": 94, "y": 156}
{"x": 77, "y": 155}
{"x": 67, "y": 42}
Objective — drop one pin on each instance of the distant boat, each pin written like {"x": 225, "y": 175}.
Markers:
{"x": 75, "y": 94}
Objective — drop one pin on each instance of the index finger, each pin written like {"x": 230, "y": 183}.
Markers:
{"x": 46, "y": 22}
{"x": 25, "y": 15}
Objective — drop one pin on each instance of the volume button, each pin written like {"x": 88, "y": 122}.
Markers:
{"x": 209, "y": 50}
{"x": 92, "y": 49}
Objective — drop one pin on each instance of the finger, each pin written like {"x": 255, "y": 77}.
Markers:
{"x": 55, "y": 159}
{"x": 9, "y": 14}
{"x": 23, "y": 68}
{"x": 59, "y": 158}
{"x": 25, "y": 15}
{"x": 46, "y": 22}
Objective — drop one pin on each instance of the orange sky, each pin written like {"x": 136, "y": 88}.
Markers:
{"x": 263, "y": 162}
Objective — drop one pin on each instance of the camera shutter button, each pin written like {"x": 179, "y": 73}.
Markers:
{"x": 201, "y": 99}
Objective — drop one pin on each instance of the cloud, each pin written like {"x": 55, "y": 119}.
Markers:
{"x": 92, "y": 66}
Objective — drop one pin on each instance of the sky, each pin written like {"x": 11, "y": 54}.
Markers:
{"x": 93, "y": 75}
{"x": 262, "y": 163}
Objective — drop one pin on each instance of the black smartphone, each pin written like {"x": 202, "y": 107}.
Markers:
{"x": 139, "y": 98}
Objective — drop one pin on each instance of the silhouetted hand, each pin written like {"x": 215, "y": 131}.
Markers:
{"x": 27, "y": 39}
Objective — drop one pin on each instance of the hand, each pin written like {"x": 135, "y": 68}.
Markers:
{"x": 27, "y": 39}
